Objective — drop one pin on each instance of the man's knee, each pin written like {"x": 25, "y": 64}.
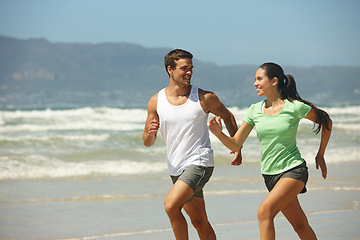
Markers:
{"x": 198, "y": 218}
{"x": 199, "y": 223}
{"x": 300, "y": 226}
{"x": 169, "y": 208}
{"x": 172, "y": 207}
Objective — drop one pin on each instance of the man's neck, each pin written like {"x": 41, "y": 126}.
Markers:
{"x": 178, "y": 91}
{"x": 177, "y": 95}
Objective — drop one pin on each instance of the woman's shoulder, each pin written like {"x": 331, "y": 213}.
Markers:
{"x": 298, "y": 107}
{"x": 256, "y": 107}
{"x": 258, "y": 104}
{"x": 296, "y": 104}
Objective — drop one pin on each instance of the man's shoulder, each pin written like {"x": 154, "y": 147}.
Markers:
{"x": 154, "y": 97}
{"x": 204, "y": 94}
{"x": 209, "y": 101}
{"x": 152, "y": 104}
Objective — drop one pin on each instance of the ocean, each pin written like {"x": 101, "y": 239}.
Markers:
{"x": 84, "y": 173}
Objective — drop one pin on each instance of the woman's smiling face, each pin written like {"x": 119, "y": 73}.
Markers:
{"x": 263, "y": 84}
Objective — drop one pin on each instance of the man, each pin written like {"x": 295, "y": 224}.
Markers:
{"x": 180, "y": 112}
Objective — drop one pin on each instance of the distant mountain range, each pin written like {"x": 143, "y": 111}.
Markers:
{"x": 36, "y": 73}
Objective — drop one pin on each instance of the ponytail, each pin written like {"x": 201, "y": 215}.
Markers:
{"x": 287, "y": 89}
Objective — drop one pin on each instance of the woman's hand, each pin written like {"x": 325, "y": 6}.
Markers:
{"x": 215, "y": 126}
{"x": 320, "y": 162}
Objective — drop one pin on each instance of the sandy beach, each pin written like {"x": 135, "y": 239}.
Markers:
{"x": 101, "y": 208}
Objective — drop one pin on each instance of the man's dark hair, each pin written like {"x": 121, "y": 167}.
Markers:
{"x": 175, "y": 55}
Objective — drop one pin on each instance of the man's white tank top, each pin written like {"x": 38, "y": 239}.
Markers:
{"x": 185, "y": 131}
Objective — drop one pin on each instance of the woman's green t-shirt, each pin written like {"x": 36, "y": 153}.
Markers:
{"x": 277, "y": 135}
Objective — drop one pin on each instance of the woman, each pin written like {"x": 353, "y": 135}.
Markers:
{"x": 284, "y": 171}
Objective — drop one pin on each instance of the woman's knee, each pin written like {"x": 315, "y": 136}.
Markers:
{"x": 265, "y": 212}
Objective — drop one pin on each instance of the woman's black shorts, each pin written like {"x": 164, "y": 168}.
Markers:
{"x": 299, "y": 172}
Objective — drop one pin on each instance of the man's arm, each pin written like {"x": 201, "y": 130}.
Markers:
{"x": 211, "y": 103}
{"x": 152, "y": 123}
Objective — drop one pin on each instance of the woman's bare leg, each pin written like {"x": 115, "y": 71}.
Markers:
{"x": 296, "y": 216}
{"x": 284, "y": 192}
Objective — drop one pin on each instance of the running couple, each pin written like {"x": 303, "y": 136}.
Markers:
{"x": 180, "y": 111}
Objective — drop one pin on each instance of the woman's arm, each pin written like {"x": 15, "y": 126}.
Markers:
{"x": 325, "y": 136}
{"x": 233, "y": 143}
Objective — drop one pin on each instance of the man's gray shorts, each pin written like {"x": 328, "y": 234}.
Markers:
{"x": 196, "y": 177}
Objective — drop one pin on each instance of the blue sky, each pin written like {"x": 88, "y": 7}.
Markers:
{"x": 299, "y": 33}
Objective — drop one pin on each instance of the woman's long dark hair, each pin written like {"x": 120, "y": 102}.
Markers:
{"x": 287, "y": 89}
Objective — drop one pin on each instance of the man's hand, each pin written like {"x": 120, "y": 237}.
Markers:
{"x": 153, "y": 127}
{"x": 237, "y": 159}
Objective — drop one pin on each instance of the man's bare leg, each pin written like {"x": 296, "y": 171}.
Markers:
{"x": 197, "y": 213}
{"x": 178, "y": 195}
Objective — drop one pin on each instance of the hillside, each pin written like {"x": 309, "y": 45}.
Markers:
{"x": 36, "y": 73}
